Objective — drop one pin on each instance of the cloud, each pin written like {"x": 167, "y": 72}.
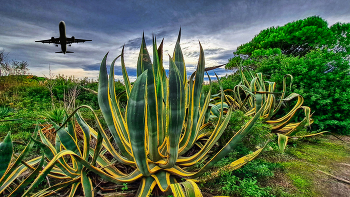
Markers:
{"x": 220, "y": 26}
{"x": 135, "y": 43}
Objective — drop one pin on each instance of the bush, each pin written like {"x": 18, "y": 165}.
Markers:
{"x": 323, "y": 79}
{"x": 246, "y": 187}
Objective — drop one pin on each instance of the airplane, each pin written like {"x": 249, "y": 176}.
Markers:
{"x": 63, "y": 40}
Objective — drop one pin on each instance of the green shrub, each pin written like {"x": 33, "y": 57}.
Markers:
{"x": 246, "y": 187}
{"x": 258, "y": 168}
{"x": 323, "y": 79}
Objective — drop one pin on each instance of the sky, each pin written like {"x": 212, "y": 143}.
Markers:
{"x": 220, "y": 26}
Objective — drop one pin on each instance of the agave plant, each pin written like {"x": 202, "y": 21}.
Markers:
{"x": 12, "y": 167}
{"x": 163, "y": 121}
{"x": 56, "y": 115}
{"x": 284, "y": 127}
{"x": 164, "y": 118}
{"x": 4, "y": 111}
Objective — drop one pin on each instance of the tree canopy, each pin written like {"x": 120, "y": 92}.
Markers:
{"x": 296, "y": 38}
{"x": 317, "y": 55}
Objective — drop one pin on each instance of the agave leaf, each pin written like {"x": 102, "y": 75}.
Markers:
{"x": 163, "y": 180}
{"x": 234, "y": 165}
{"x": 194, "y": 97}
{"x": 17, "y": 171}
{"x": 68, "y": 142}
{"x": 144, "y": 60}
{"x": 74, "y": 189}
{"x": 179, "y": 60}
{"x": 175, "y": 115}
{"x": 19, "y": 159}
{"x": 147, "y": 185}
{"x": 87, "y": 184}
{"x": 51, "y": 190}
{"x": 282, "y": 142}
{"x": 186, "y": 189}
{"x": 152, "y": 107}
{"x": 70, "y": 127}
{"x": 125, "y": 75}
{"x": 105, "y": 105}
{"x": 156, "y": 62}
{"x": 6, "y": 151}
{"x": 160, "y": 112}
{"x": 136, "y": 116}
{"x": 310, "y": 135}
{"x": 20, "y": 188}
{"x": 121, "y": 127}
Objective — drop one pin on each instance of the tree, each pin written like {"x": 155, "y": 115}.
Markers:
{"x": 13, "y": 68}
{"x": 294, "y": 38}
{"x": 318, "y": 58}
{"x": 297, "y": 38}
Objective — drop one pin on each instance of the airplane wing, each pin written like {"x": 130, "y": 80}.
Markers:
{"x": 52, "y": 40}
{"x": 74, "y": 40}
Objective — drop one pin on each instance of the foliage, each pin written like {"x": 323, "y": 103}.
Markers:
{"x": 23, "y": 125}
{"x": 322, "y": 78}
{"x": 246, "y": 187}
{"x": 56, "y": 115}
{"x": 298, "y": 38}
{"x": 259, "y": 169}
{"x": 4, "y": 111}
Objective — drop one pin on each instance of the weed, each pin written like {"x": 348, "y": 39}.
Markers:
{"x": 125, "y": 187}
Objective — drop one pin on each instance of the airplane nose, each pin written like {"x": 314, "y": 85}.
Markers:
{"x": 61, "y": 23}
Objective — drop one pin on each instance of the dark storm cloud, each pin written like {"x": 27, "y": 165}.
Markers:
{"x": 91, "y": 67}
{"x": 136, "y": 43}
{"x": 117, "y": 69}
{"x": 224, "y": 56}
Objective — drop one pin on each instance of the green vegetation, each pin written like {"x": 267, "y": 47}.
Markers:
{"x": 317, "y": 56}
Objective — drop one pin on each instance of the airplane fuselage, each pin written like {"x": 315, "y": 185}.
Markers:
{"x": 63, "y": 38}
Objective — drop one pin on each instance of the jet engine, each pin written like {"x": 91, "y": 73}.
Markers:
{"x": 73, "y": 39}
{"x": 52, "y": 38}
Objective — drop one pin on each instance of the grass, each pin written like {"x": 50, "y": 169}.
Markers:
{"x": 308, "y": 156}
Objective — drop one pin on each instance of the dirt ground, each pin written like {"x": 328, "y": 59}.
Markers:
{"x": 334, "y": 186}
